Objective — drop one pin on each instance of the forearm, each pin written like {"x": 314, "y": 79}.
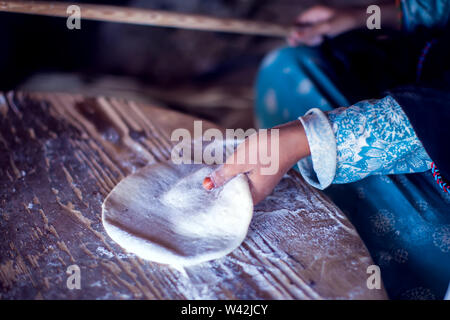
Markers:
{"x": 293, "y": 143}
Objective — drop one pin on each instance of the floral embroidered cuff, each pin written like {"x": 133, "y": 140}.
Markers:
{"x": 320, "y": 167}
{"x": 375, "y": 137}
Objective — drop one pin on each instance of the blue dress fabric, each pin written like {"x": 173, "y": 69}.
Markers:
{"x": 404, "y": 219}
{"x": 432, "y": 14}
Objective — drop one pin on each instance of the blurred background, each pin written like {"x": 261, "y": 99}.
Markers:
{"x": 206, "y": 74}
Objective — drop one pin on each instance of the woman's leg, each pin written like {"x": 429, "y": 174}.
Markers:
{"x": 404, "y": 221}
{"x": 290, "y": 82}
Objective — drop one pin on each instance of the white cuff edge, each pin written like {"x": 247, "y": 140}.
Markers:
{"x": 319, "y": 169}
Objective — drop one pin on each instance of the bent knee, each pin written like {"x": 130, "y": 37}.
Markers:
{"x": 278, "y": 58}
{"x": 286, "y": 57}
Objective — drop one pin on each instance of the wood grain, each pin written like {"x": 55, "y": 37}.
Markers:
{"x": 147, "y": 17}
{"x": 62, "y": 154}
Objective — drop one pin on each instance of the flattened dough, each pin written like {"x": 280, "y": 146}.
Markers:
{"x": 162, "y": 213}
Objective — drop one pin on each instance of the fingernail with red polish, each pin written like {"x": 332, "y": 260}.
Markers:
{"x": 208, "y": 184}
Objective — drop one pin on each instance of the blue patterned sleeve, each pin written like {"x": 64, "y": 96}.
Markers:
{"x": 427, "y": 13}
{"x": 351, "y": 143}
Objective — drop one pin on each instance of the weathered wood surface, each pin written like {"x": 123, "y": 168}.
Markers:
{"x": 61, "y": 155}
{"x": 147, "y": 17}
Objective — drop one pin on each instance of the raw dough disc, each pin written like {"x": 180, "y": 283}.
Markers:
{"x": 162, "y": 213}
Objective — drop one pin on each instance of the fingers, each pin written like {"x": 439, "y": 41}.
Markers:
{"x": 221, "y": 176}
{"x": 312, "y": 35}
{"x": 232, "y": 167}
{"x": 208, "y": 183}
{"x": 298, "y": 38}
{"x": 226, "y": 172}
{"x": 311, "y": 26}
{"x": 315, "y": 14}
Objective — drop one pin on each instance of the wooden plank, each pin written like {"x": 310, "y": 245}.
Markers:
{"x": 147, "y": 17}
{"x": 62, "y": 154}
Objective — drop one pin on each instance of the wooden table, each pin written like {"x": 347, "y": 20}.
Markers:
{"x": 62, "y": 154}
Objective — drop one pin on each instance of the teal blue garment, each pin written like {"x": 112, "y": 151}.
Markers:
{"x": 403, "y": 219}
{"x": 432, "y": 14}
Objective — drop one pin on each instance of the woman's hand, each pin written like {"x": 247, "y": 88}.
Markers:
{"x": 283, "y": 148}
{"x": 313, "y": 24}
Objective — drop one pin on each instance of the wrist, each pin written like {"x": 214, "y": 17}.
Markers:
{"x": 293, "y": 142}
